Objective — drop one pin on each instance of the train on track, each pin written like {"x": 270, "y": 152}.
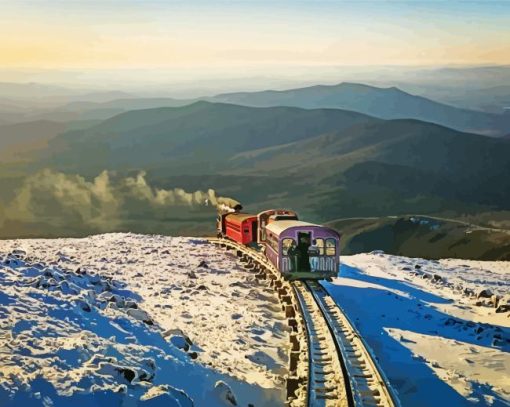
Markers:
{"x": 299, "y": 250}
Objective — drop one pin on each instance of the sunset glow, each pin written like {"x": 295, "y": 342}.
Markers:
{"x": 161, "y": 34}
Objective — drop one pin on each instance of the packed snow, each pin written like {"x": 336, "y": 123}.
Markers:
{"x": 124, "y": 319}
{"x": 440, "y": 329}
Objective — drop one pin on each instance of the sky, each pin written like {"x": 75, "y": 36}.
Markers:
{"x": 233, "y": 35}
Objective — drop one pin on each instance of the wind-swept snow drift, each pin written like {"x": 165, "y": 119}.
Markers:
{"x": 124, "y": 319}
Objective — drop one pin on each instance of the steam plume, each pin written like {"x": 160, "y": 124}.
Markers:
{"x": 101, "y": 203}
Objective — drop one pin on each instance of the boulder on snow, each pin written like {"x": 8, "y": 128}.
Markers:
{"x": 165, "y": 395}
{"x": 178, "y": 338}
{"x": 141, "y": 315}
{"x": 223, "y": 391}
{"x": 130, "y": 304}
{"x": 19, "y": 253}
{"x": 84, "y": 305}
{"x": 468, "y": 291}
{"x": 484, "y": 293}
{"x": 503, "y": 308}
{"x": 437, "y": 278}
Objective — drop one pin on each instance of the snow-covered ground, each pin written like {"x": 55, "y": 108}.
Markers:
{"x": 432, "y": 325}
{"x": 124, "y": 319}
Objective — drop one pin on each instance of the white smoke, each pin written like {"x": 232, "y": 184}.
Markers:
{"x": 101, "y": 203}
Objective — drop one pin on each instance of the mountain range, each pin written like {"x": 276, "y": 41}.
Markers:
{"x": 329, "y": 152}
{"x": 328, "y": 162}
{"x": 385, "y": 103}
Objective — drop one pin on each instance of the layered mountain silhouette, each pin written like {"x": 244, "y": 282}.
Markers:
{"x": 385, "y": 103}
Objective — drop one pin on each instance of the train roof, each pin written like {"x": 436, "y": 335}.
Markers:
{"x": 279, "y": 226}
{"x": 240, "y": 217}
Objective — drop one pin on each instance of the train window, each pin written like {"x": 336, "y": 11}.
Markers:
{"x": 286, "y": 245}
{"x": 246, "y": 230}
{"x": 330, "y": 247}
{"x": 320, "y": 245}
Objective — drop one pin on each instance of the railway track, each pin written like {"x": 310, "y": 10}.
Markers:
{"x": 364, "y": 381}
{"x": 330, "y": 363}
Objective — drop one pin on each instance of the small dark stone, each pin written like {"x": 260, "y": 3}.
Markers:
{"x": 503, "y": 308}
{"x": 193, "y": 355}
{"x": 128, "y": 374}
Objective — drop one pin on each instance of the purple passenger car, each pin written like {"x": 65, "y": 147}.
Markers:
{"x": 301, "y": 250}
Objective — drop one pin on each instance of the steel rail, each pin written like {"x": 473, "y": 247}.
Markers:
{"x": 342, "y": 370}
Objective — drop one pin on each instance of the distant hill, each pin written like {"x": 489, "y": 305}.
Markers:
{"x": 104, "y": 110}
{"x": 385, "y": 103}
{"x": 53, "y": 93}
{"x": 22, "y": 138}
{"x": 198, "y": 137}
{"x": 19, "y": 141}
{"x": 423, "y": 236}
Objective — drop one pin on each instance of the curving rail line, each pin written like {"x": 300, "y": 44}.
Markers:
{"x": 366, "y": 383}
{"x": 340, "y": 370}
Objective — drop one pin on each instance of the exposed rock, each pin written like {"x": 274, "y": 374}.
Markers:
{"x": 165, "y": 395}
{"x": 128, "y": 374}
{"x": 484, "y": 293}
{"x": 224, "y": 393}
{"x": 503, "y": 308}
{"x": 468, "y": 291}
{"x": 140, "y": 315}
{"x": 497, "y": 342}
{"x": 179, "y": 339}
{"x": 84, "y": 305}
{"x": 437, "y": 278}
{"x": 131, "y": 304}
{"x": 19, "y": 253}
{"x": 203, "y": 264}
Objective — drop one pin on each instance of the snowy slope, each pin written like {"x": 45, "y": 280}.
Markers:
{"x": 123, "y": 319}
{"x": 437, "y": 342}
